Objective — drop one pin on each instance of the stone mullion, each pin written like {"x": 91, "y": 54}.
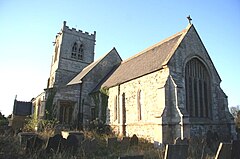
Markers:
{"x": 187, "y": 94}
{"x": 198, "y": 98}
{"x": 203, "y": 99}
{"x": 193, "y": 98}
{"x": 206, "y": 98}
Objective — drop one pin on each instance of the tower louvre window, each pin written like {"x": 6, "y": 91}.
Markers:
{"x": 74, "y": 49}
{"x": 77, "y": 51}
{"x": 198, "y": 89}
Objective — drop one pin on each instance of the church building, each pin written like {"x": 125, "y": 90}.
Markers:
{"x": 168, "y": 90}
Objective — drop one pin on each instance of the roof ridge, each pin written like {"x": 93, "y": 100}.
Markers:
{"x": 155, "y": 45}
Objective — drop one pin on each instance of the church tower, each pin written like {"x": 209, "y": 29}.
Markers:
{"x": 74, "y": 50}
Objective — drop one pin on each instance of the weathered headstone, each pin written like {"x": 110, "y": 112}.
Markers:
{"x": 24, "y": 136}
{"x": 54, "y": 143}
{"x": 86, "y": 146}
{"x": 224, "y": 151}
{"x": 125, "y": 143}
{"x": 235, "y": 149}
{"x": 71, "y": 143}
{"x": 176, "y": 151}
{"x": 34, "y": 143}
{"x": 112, "y": 142}
{"x": 134, "y": 140}
{"x": 94, "y": 144}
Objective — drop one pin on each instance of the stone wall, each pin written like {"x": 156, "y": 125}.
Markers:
{"x": 152, "y": 105}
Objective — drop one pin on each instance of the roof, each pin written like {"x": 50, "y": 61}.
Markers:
{"x": 22, "y": 108}
{"x": 147, "y": 61}
{"x": 78, "y": 79}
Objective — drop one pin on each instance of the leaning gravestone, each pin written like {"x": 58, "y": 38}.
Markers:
{"x": 224, "y": 151}
{"x": 176, "y": 151}
{"x": 235, "y": 149}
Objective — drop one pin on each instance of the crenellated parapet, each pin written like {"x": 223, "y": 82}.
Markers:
{"x": 76, "y": 32}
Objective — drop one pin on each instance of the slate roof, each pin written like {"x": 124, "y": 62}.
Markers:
{"x": 147, "y": 61}
{"x": 78, "y": 79}
{"x": 22, "y": 108}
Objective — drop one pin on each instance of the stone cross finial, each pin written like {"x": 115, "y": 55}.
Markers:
{"x": 189, "y": 19}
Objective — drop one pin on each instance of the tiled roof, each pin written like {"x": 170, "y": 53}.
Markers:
{"x": 147, "y": 61}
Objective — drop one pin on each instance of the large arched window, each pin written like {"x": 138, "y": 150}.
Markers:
{"x": 198, "y": 89}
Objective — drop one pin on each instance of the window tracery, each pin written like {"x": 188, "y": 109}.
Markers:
{"x": 198, "y": 89}
{"x": 77, "y": 51}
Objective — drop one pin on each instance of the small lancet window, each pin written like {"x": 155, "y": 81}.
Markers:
{"x": 139, "y": 104}
{"x": 115, "y": 112}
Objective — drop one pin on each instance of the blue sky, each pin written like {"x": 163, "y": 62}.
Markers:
{"x": 28, "y": 28}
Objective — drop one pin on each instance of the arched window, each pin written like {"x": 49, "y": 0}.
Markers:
{"x": 80, "y": 52}
{"x": 115, "y": 112}
{"x": 198, "y": 89}
{"x": 77, "y": 51}
{"x": 74, "y": 48}
{"x": 139, "y": 104}
{"x": 123, "y": 108}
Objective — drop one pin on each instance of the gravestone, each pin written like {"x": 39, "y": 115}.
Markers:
{"x": 224, "y": 151}
{"x": 79, "y": 136}
{"x": 134, "y": 140}
{"x": 86, "y": 146}
{"x": 176, "y": 151}
{"x": 235, "y": 149}
{"x": 71, "y": 144}
{"x": 112, "y": 142}
{"x": 55, "y": 143}
{"x": 94, "y": 144}
{"x": 24, "y": 136}
{"x": 125, "y": 143}
{"x": 34, "y": 144}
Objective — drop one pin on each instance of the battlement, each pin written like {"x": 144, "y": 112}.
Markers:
{"x": 77, "y": 32}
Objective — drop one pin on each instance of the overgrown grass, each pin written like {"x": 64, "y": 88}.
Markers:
{"x": 10, "y": 148}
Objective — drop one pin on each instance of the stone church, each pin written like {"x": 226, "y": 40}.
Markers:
{"x": 168, "y": 90}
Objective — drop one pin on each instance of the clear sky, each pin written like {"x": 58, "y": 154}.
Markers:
{"x": 28, "y": 28}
